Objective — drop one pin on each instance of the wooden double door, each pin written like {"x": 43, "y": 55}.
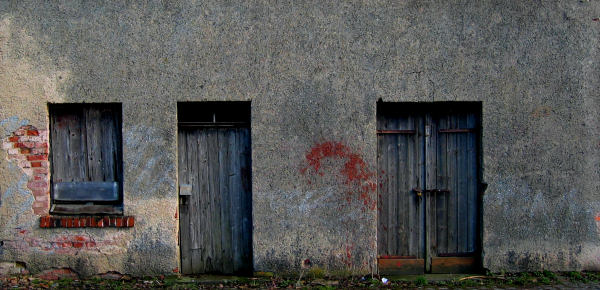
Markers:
{"x": 215, "y": 200}
{"x": 429, "y": 201}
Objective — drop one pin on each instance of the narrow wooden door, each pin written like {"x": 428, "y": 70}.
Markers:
{"x": 428, "y": 195}
{"x": 215, "y": 200}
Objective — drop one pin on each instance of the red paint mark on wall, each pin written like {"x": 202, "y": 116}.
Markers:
{"x": 355, "y": 171}
{"x": 347, "y": 258}
{"x": 597, "y": 218}
{"x": 28, "y": 147}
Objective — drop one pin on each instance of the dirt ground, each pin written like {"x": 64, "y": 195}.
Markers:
{"x": 316, "y": 280}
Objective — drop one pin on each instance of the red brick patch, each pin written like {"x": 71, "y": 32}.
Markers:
{"x": 56, "y": 274}
{"x": 28, "y": 147}
{"x": 86, "y": 222}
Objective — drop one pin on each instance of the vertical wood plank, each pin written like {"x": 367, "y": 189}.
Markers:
{"x": 110, "y": 144}
{"x": 472, "y": 183}
{"x": 59, "y": 142}
{"x": 402, "y": 190}
{"x": 214, "y": 189}
{"x": 453, "y": 186}
{"x": 76, "y": 167}
{"x": 196, "y": 238}
{"x": 94, "y": 137}
{"x": 184, "y": 221}
{"x": 227, "y": 196}
{"x": 393, "y": 197}
{"x": 245, "y": 170}
{"x": 421, "y": 157}
{"x": 235, "y": 178}
{"x": 442, "y": 176}
{"x": 463, "y": 186}
{"x": 202, "y": 204}
{"x": 382, "y": 194}
{"x": 412, "y": 202}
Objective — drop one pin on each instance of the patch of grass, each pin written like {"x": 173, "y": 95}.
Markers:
{"x": 316, "y": 272}
{"x": 523, "y": 279}
{"x": 549, "y": 275}
{"x": 286, "y": 282}
{"x": 421, "y": 281}
{"x": 575, "y": 276}
{"x": 327, "y": 287}
{"x": 340, "y": 274}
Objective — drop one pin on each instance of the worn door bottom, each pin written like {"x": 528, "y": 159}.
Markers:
{"x": 453, "y": 265}
{"x": 398, "y": 265}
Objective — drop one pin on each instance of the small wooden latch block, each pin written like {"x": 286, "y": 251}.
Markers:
{"x": 185, "y": 189}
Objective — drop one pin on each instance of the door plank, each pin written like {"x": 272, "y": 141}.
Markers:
{"x": 94, "y": 140}
{"x": 472, "y": 183}
{"x": 196, "y": 243}
{"x": 184, "y": 221}
{"x": 225, "y": 193}
{"x": 245, "y": 172}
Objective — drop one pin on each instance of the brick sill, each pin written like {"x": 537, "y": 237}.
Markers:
{"x": 87, "y": 221}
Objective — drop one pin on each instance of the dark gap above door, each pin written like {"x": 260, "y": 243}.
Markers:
{"x": 214, "y": 114}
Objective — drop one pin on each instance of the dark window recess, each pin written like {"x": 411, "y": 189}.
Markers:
{"x": 86, "y": 159}
{"x": 214, "y": 114}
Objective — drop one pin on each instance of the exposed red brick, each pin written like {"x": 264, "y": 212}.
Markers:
{"x": 42, "y": 198}
{"x": 100, "y": 223}
{"x": 119, "y": 222}
{"x": 33, "y": 133}
{"x": 36, "y": 164}
{"x": 93, "y": 223}
{"x": 39, "y": 151}
{"x": 40, "y": 171}
{"x": 40, "y": 210}
{"x": 37, "y": 184}
{"x": 78, "y": 244}
{"x": 81, "y": 238}
{"x": 13, "y": 139}
{"x": 130, "y": 221}
{"x": 17, "y": 157}
{"x": 37, "y": 157}
{"x": 45, "y": 222}
{"x": 106, "y": 221}
{"x": 41, "y": 145}
{"x": 56, "y": 274}
{"x": 90, "y": 244}
{"x": 39, "y": 204}
{"x": 25, "y": 145}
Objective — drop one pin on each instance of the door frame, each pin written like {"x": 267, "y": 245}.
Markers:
{"x": 392, "y": 264}
{"x": 205, "y": 114}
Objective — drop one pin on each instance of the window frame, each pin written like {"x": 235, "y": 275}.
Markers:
{"x": 108, "y": 118}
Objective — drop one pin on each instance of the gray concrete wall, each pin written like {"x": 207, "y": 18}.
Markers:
{"x": 313, "y": 72}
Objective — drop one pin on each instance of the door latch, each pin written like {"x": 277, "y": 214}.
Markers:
{"x": 420, "y": 191}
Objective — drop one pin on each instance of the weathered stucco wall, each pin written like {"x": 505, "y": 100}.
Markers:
{"x": 313, "y": 72}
